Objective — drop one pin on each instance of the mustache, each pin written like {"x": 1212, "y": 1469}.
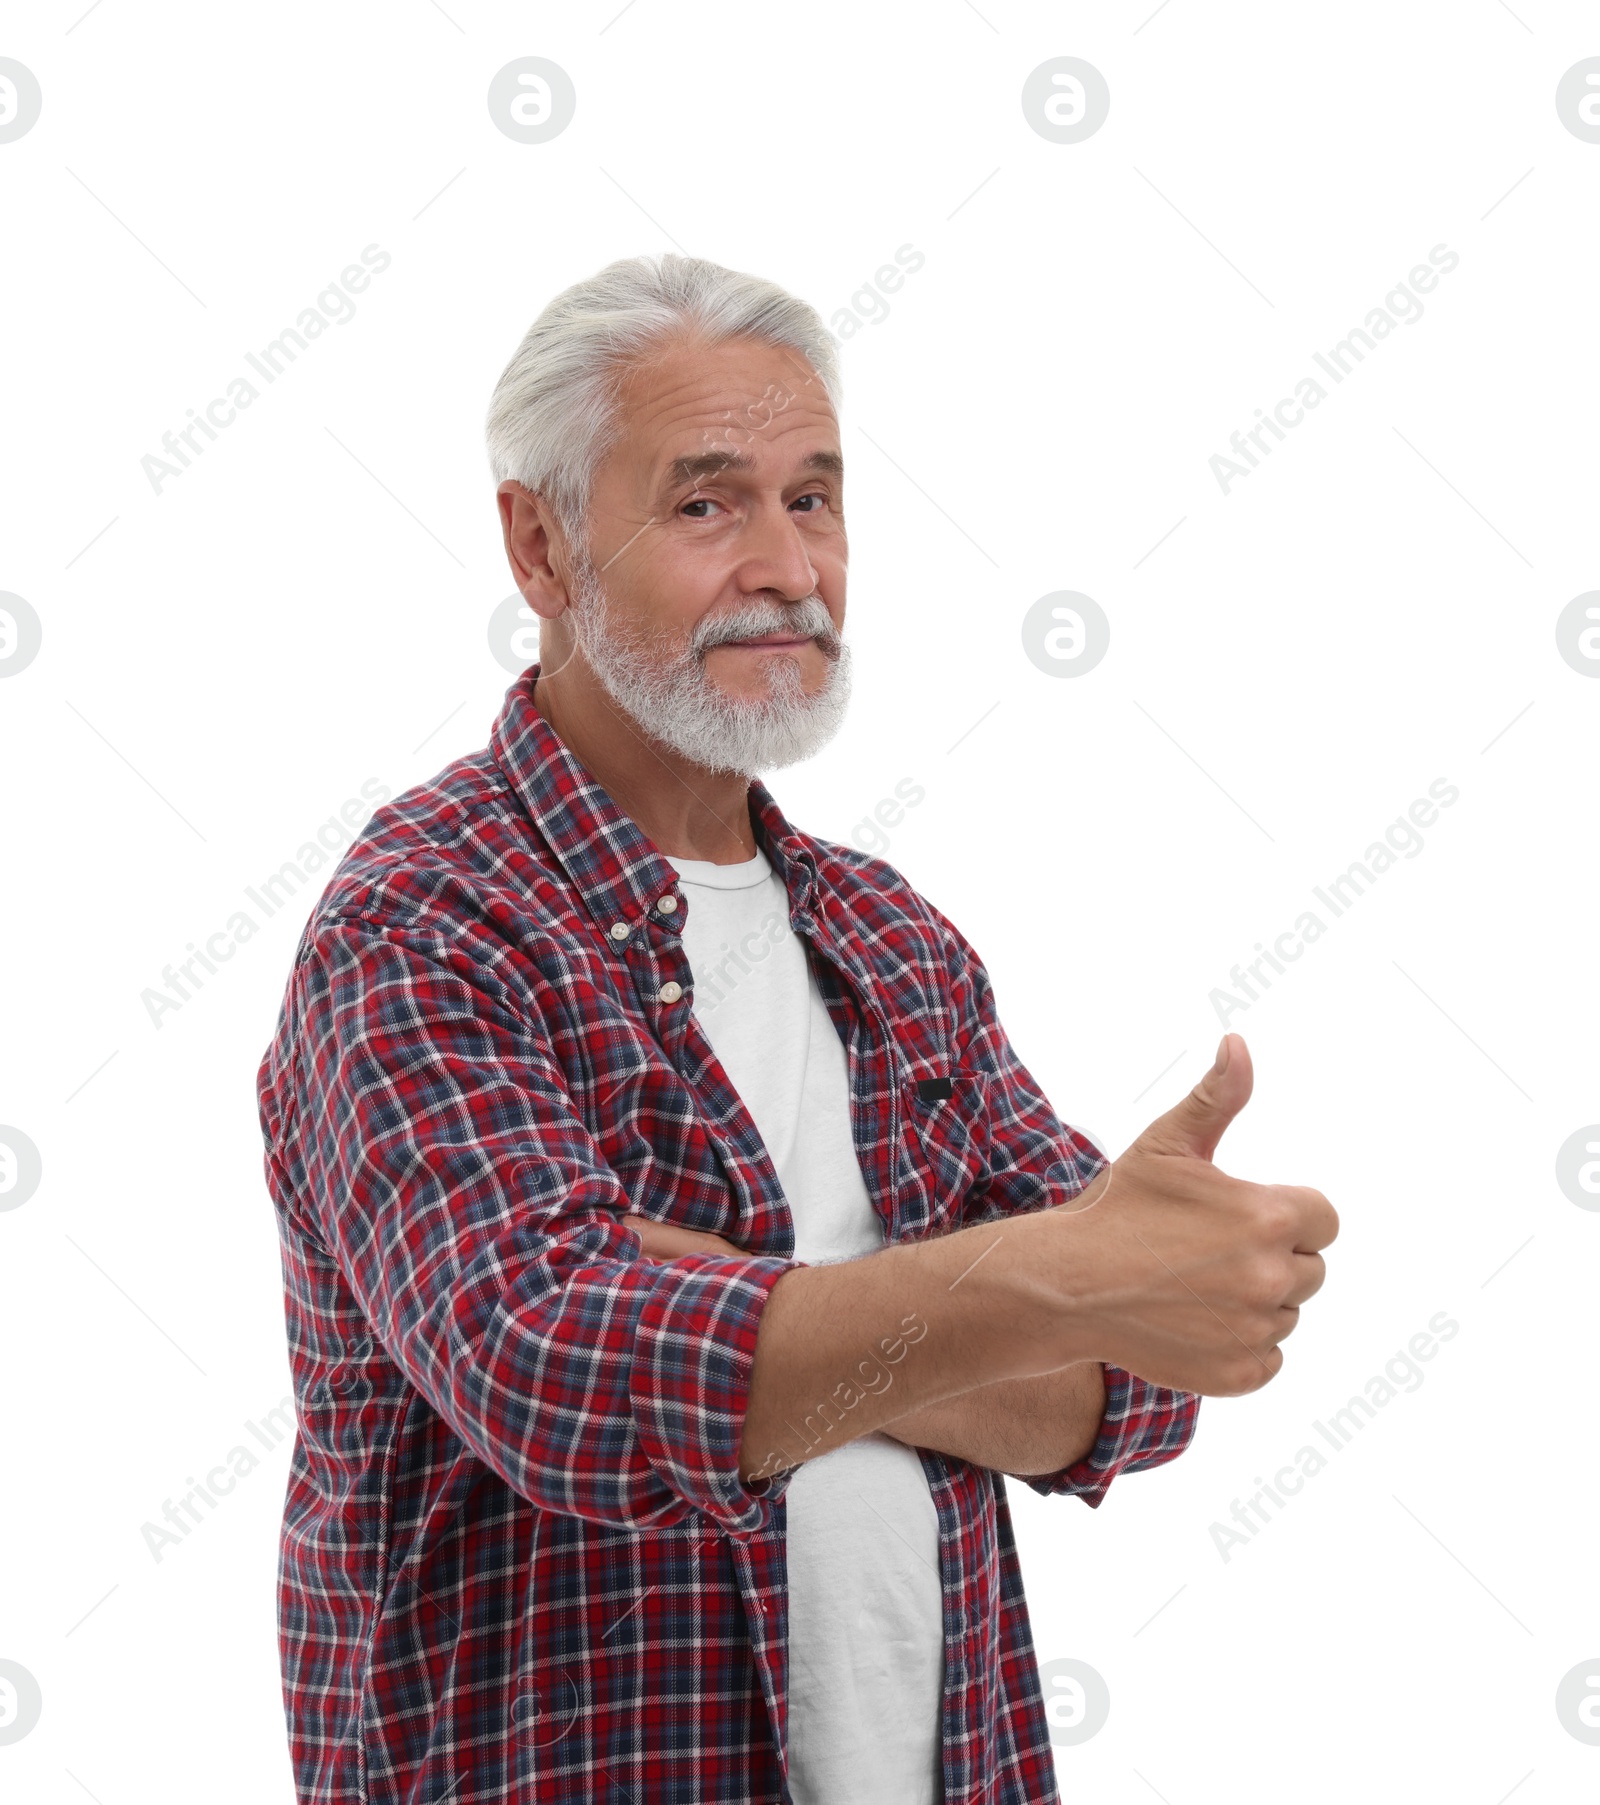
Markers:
{"x": 809, "y": 617}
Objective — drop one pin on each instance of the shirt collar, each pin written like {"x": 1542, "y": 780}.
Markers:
{"x": 607, "y": 857}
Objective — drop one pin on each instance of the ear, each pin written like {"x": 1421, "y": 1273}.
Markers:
{"x": 532, "y": 541}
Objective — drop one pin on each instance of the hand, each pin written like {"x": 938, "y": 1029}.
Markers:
{"x": 662, "y": 1241}
{"x": 1169, "y": 1268}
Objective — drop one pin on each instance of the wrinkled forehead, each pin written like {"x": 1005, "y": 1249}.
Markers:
{"x": 742, "y": 397}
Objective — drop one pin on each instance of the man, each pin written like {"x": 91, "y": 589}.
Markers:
{"x": 676, "y": 1253}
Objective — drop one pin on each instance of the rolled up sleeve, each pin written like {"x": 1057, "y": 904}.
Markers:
{"x": 1142, "y": 1426}
{"x": 443, "y": 1166}
{"x": 693, "y": 1351}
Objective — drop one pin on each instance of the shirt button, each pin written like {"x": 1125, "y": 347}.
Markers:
{"x": 671, "y": 992}
{"x": 619, "y": 930}
{"x": 667, "y": 904}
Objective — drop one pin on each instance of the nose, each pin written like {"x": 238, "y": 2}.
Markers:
{"x": 774, "y": 557}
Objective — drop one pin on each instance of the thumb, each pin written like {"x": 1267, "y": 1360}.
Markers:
{"x": 1195, "y": 1125}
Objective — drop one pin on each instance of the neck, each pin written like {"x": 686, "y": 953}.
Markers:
{"x": 686, "y": 810}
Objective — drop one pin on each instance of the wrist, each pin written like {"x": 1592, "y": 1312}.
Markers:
{"x": 1037, "y": 1291}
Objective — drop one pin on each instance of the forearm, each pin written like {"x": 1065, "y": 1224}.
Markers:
{"x": 1034, "y": 1425}
{"x": 846, "y": 1349}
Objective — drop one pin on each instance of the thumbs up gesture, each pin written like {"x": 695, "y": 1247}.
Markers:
{"x": 1173, "y": 1270}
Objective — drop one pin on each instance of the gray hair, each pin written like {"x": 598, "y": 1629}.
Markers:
{"x": 554, "y": 412}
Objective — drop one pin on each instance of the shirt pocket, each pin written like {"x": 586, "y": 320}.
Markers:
{"x": 944, "y": 1120}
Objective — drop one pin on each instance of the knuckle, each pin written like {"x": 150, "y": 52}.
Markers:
{"x": 1279, "y": 1212}
{"x": 1262, "y": 1281}
{"x": 1311, "y": 1206}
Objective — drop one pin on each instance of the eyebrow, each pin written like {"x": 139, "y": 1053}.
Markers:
{"x": 701, "y": 464}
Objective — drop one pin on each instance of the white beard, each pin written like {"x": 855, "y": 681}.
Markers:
{"x": 669, "y": 695}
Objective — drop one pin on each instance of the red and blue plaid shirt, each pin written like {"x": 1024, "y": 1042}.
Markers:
{"x": 518, "y": 1562}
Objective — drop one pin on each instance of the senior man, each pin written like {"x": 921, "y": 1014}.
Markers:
{"x": 676, "y": 1252}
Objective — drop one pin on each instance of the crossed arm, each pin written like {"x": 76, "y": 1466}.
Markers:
{"x": 1019, "y": 1426}
{"x": 1022, "y": 1426}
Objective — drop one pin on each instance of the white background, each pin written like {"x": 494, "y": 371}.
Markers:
{"x": 224, "y": 663}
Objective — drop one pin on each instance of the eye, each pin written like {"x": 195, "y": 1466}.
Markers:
{"x": 698, "y": 501}
{"x": 813, "y": 496}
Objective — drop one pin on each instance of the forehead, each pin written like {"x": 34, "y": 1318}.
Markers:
{"x": 743, "y": 392}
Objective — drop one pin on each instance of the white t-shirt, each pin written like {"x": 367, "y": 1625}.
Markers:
{"x": 866, "y": 1638}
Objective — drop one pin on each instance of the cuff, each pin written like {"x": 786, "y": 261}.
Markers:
{"x": 694, "y": 1345}
{"x": 1143, "y": 1426}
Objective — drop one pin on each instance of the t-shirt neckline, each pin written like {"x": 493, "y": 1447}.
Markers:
{"x": 744, "y": 875}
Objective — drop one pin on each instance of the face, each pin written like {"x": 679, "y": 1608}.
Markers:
{"x": 711, "y": 602}
{"x": 725, "y": 490}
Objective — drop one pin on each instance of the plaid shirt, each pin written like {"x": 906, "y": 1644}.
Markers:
{"x": 518, "y": 1562}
